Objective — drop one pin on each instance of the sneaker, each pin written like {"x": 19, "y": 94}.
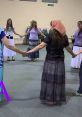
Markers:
{"x": 78, "y": 94}
{"x": 13, "y": 59}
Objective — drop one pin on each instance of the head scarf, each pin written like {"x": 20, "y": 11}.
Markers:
{"x": 56, "y": 24}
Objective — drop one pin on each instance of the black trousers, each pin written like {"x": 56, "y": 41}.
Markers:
{"x": 80, "y": 79}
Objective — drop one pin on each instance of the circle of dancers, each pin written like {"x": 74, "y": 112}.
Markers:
{"x": 56, "y": 40}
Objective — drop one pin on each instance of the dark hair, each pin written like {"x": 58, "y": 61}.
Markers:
{"x": 80, "y": 22}
{"x": 51, "y": 23}
{"x": 32, "y": 24}
{"x": 80, "y": 31}
{"x": 56, "y": 37}
{"x": 9, "y": 25}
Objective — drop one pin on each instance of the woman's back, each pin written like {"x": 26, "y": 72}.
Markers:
{"x": 55, "y": 45}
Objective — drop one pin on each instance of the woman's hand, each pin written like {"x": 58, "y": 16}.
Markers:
{"x": 24, "y": 54}
{"x": 73, "y": 56}
{"x": 28, "y": 52}
{"x": 78, "y": 52}
{"x": 20, "y": 36}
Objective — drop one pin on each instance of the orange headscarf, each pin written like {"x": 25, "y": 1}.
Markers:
{"x": 56, "y": 24}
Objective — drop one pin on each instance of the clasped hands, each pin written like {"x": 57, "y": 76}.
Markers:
{"x": 75, "y": 54}
{"x": 24, "y": 54}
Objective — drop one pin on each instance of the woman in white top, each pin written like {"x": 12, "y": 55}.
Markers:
{"x": 9, "y": 30}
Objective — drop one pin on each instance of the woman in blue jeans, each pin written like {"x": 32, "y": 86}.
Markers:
{"x": 5, "y": 41}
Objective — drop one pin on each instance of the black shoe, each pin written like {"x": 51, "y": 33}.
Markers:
{"x": 8, "y": 59}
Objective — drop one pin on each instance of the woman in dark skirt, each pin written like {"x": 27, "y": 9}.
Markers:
{"x": 53, "y": 76}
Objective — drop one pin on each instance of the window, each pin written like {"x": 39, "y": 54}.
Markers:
{"x": 29, "y": 0}
{"x": 50, "y": 1}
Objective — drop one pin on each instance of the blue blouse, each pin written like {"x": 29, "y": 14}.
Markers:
{"x": 78, "y": 39}
{"x": 2, "y": 35}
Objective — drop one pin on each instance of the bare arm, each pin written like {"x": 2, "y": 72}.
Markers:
{"x": 17, "y": 33}
{"x": 40, "y": 46}
{"x": 70, "y": 51}
{"x": 26, "y": 33}
{"x": 5, "y": 41}
{"x": 42, "y": 34}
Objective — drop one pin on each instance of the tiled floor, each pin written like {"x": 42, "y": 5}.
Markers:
{"x": 22, "y": 80}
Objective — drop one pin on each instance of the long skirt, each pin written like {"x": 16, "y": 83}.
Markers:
{"x": 53, "y": 82}
{"x": 76, "y": 62}
{"x": 32, "y": 44}
{"x": 7, "y": 52}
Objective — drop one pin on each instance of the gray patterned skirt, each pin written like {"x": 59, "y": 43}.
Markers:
{"x": 53, "y": 81}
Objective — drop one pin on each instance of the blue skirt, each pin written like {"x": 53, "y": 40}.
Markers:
{"x": 32, "y": 44}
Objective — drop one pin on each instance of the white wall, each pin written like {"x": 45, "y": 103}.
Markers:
{"x": 69, "y": 11}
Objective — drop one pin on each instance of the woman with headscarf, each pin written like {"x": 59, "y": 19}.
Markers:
{"x": 53, "y": 76}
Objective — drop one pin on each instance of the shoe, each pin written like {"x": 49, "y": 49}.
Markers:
{"x": 78, "y": 94}
{"x": 50, "y": 103}
{"x": 13, "y": 59}
{"x": 8, "y": 59}
{"x": 33, "y": 60}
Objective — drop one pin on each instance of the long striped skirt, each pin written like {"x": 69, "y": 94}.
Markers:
{"x": 31, "y": 45}
{"x": 53, "y": 82}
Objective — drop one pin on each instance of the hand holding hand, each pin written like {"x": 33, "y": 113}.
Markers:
{"x": 24, "y": 54}
{"x": 73, "y": 56}
{"x": 20, "y": 36}
{"x": 79, "y": 52}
